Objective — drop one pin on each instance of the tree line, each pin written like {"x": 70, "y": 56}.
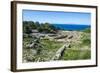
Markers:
{"x": 28, "y": 26}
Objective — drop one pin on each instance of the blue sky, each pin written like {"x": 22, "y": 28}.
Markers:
{"x": 57, "y": 17}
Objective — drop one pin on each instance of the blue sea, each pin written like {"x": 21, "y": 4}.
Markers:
{"x": 71, "y": 26}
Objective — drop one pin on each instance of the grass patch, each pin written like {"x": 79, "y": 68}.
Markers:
{"x": 88, "y": 30}
{"x": 46, "y": 52}
{"x": 51, "y": 45}
{"x": 70, "y": 54}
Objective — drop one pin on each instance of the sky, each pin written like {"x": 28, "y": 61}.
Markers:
{"x": 57, "y": 17}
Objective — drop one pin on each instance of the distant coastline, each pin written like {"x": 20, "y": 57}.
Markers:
{"x": 53, "y": 28}
{"x": 71, "y": 27}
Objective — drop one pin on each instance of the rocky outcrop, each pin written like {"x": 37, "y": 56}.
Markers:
{"x": 60, "y": 52}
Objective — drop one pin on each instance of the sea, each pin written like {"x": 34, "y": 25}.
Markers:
{"x": 71, "y": 26}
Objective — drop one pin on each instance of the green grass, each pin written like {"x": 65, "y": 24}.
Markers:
{"x": 70, "y": 54}
{"x": 47, "y": 51}
{"x": 75, "y": 52}
{"x": 88, "y": 30}
{"x": 51, "y": 45}
{"x": 85, "y": 40}
{"x": 78, "y": 50}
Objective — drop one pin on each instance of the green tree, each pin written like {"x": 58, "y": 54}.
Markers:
{"x": 27, "y": 30}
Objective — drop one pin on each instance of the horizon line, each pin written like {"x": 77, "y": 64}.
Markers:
{"x": 56, "y": 23}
